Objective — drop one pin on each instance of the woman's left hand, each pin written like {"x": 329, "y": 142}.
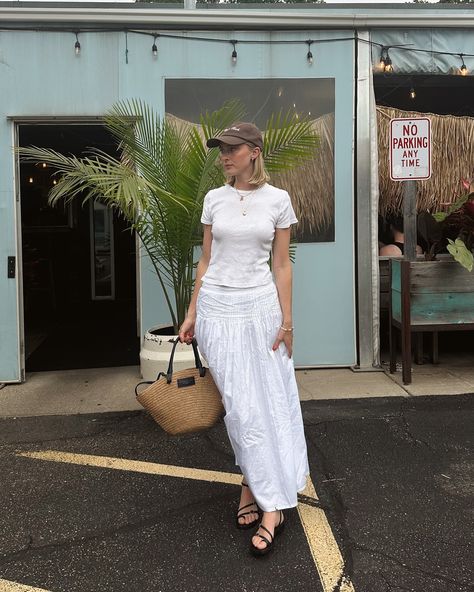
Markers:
{"x": 287, "y": 338}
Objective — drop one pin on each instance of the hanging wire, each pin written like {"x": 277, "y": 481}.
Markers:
{"x": 385, "y": 60}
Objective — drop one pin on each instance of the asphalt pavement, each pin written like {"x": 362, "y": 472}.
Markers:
{"x": 108, "y": 502}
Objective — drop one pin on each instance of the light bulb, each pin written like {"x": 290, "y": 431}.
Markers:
{"x": 309, "y": 57}
{"x": 77, "y": 46}
{"x": 234, "y": 57}
{"x": 412, "y": 94}
{"x": 463, "y": 69}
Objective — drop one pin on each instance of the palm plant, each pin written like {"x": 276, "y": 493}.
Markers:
{"x": 161, "y": 177}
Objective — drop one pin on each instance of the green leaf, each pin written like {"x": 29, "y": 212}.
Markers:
{"x": 457, "y": 205}
{"x": 461, "y": 253}
{"x": 161, "y": 176}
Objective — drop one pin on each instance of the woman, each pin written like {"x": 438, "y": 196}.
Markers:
{"x": 242, "y": 321}
{"x": 396, "y": 247}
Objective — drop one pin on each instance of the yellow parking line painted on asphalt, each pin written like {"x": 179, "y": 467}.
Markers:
{"x": 123, "y": 464}
{"x": 7, "y": 586}
{"x": 324, "y": 549}
{"x": 326, "y": 554}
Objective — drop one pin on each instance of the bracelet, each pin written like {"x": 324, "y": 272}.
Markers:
{"x": 286, "y": 330}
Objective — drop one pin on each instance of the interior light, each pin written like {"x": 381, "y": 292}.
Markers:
{"x": 463, "y": 69}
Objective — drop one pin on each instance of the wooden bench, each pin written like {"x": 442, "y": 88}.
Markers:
{"x": 427, "y": 296}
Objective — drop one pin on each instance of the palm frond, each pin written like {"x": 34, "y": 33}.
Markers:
{"x": 289, "y": 141}
{"x": 159, "y": 180}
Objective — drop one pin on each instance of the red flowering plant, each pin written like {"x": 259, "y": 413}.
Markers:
{"x": 452, "y": 229}
{"x": 458, "y": 224}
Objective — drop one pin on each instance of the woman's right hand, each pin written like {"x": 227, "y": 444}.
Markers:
{"x": 186, "y": 331}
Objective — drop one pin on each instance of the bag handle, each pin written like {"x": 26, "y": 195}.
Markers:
{"x": 197, "y": 360}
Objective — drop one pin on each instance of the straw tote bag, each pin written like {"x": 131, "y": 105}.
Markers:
{"x": 184, "y": 401}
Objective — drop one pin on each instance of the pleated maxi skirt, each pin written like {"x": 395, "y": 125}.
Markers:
{"x": 235, "y": 329}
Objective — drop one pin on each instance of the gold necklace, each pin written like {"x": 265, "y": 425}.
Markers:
{"x": 243, "y": 209}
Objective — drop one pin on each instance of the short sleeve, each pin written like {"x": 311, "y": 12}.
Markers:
{"x": 206, "y": 217}
{"x": 287, "y": 215}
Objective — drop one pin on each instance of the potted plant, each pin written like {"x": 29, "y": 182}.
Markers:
{"x": 436, "y": 294}
{"x": 158, "y": 184}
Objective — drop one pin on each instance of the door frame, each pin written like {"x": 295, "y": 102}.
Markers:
{"x": 16, "y": 121}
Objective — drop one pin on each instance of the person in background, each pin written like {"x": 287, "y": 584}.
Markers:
{"x": 396, "y": 247}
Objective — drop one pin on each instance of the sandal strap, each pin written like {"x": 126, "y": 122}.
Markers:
{"x": 265, "y": 528}
{"x": 265, "y": 539}
{"x": 246, "y": 513}
{"x": 247, "y": 506}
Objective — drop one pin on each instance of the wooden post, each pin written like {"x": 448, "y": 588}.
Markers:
{"x": 406, "y": 322}
{"x": 409, "y": 219}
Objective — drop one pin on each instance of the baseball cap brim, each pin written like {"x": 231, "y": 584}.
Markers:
{"x": 232, "y": 140}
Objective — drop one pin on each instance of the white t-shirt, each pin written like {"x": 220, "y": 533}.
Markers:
{"x": 241, "y": 244}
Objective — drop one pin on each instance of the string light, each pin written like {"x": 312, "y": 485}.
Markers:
{"x": 385, "y": 61}
{"x": 77, "y": 46}
{"x": 385, "y": 64}
{"x": 309, "y": 55}
{"x": 234, "y": 52}
{"x": 382, "y": 60}
{"x": 412, "y": 94}
{"x": 154, "y": 48}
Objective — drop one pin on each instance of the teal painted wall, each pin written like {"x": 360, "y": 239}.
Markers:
{"x": 40, "y": 75}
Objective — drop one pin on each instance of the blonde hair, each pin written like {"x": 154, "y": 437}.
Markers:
{"x": 259, "y": 176}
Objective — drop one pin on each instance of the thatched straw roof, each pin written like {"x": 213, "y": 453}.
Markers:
{"x": 311, "y": 186}
{"x": 452, "y": 160}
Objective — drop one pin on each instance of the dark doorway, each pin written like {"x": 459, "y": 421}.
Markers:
{"x": 426, "y": 93}
{"x": 79, "y": 265}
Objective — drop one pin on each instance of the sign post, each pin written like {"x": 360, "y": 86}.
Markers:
{"x": 410, "y": 159}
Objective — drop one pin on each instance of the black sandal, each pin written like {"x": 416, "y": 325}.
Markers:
{"x": 269, "y": 544}
{"x": 245, "y": 526}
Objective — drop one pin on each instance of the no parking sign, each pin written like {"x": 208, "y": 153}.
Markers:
{"x": 410, "y": 148}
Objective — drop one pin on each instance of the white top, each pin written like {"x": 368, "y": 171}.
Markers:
{"x": 242, "y": 233}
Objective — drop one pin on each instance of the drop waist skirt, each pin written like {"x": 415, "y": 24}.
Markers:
{"x": 235, "y": 329}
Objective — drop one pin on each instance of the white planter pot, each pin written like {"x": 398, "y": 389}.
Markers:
{"x": 156, "y": 350}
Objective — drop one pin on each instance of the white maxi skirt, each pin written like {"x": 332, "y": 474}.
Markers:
{"x": 235, "y": 329}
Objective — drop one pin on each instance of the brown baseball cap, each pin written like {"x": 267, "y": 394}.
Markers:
{"x": 238, "y": 133}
